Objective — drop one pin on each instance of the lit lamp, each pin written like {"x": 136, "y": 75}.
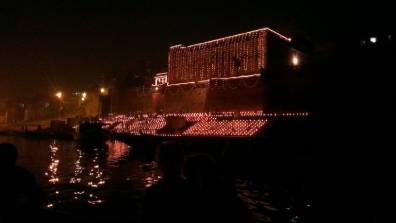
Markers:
{"x": 373, "y": 39}
{"x": 295, "y": 61}
{"x": 59, "y": 95}
{"x": 103, "y": 91}
{"x": 83, "y": 96}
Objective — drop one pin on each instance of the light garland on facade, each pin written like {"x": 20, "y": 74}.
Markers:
{"x": 160, "y": 79}
{"x": 217, "y": 78}
{"x": 232, "y": 56}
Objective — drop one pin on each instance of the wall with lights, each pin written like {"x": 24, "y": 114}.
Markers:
{"x": 239, "y": 72}
{"x": 243, "y": 71}
{"x": 232, "y": 56}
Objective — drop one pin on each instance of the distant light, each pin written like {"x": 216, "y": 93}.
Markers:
{"x": 59, "y": 95}
{"x": 295, "y": 61}
{"x": 84, "y": 94}
{"x": 389, "y": 36}
{"x": 156, "y": 88}
{"x": 104, "y": 91}
{"x": 83, "y": 99}
{"x": 373, "y": 39}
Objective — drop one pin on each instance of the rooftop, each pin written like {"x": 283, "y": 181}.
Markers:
{"x": 266, "y": 29}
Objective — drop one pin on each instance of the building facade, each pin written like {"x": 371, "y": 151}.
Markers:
{"x": 233, "y": 56}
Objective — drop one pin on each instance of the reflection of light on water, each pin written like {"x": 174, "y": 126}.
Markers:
{"x": 54, "y": 163}
{"x": 294, "y": 219}
{"x": 116, "y": 151}
{"x": 91, "y": 175}
{"x": 96, "y": 173}
{"x": 152, "y": 179}
{"x": 77, "y": 194}
{"x": 93, "y": 199}
{"x": 86, "y": 171}
{"x": 78, "y": 169}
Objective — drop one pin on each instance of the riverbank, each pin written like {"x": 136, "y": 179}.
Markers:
{"x": 37, "y": 130}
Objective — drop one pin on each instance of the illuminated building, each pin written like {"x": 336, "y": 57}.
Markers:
{"x": 247, "y": 71}
{"x": 160, "y": 79}
{"x": 242, "y": 54}
{"x": 229, "y": 87}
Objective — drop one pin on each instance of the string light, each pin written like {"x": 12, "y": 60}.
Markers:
{"x": 243, "y": 123}
{"x": 225, "y": 128}
{"x": 232, "y": 56}
{"x": 160, "y": 79}
{"x": 217, "y": 78}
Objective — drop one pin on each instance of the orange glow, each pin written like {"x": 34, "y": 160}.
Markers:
{"x": 116, "y": 151}
{"x": 246, "y": 123}
{"x": 232, "y": 56}
{"x": 59, "y": 95}
{"x": 295, "y": 60}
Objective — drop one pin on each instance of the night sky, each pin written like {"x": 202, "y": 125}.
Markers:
{"x": 48, "y": 45}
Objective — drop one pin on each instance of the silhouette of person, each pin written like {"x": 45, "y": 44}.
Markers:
{"x": 20, "y": 195}
{"x": 167, "y": 200}
{"x": 212, "y": 199}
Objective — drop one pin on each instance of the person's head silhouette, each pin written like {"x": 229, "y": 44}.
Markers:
{"x": 8, "y": 155}
{"x": 170, "y": 159}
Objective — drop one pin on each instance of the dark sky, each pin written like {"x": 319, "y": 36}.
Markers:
{"x": 69, "y": 44}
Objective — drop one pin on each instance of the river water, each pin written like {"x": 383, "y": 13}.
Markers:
{"x": 76, "y": 181}
{"x": 109, "y": 184}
